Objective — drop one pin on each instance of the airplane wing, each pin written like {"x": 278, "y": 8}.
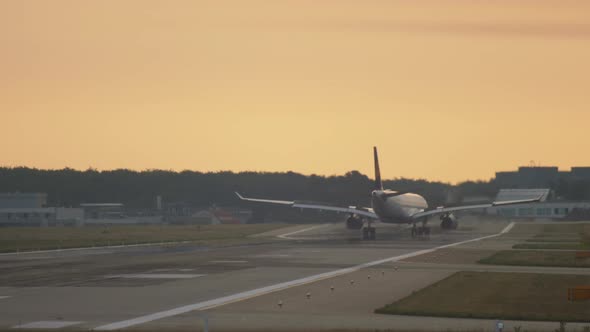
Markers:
{"x": 269, "y": 201}
{"x": 441, "y": 210}
{"x": 365, "y": 212}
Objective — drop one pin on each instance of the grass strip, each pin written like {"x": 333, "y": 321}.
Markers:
{"x": 555, "y": 246}
{"x": 536, "y": 258}
{"x": 13, "y": 239}
{"x": 492, "y": 295}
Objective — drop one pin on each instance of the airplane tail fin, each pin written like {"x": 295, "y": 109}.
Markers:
{"x": 378, "y": 184}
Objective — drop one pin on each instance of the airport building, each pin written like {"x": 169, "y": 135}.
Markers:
{"x": 525, "y": 178}
{"x": 46, "y": 216}
{"x": 539, "y": 177}
{"x": 103, "y": 210}
{"x": 23, "y": 200}
{"x": 29, "y": 209}
{"x": 543, "y": 210}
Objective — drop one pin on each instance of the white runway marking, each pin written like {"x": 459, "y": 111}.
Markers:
{"x": 156, "y": 276}
{"x": 287, "y": 235}
{"x": 228, "y": 262}
{"x": 277, "y": 287}
{"x": 2, "y": 297}
{"x": 46, "y": 324}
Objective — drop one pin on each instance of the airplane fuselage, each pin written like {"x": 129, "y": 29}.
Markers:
{"x": 397, "y": 209}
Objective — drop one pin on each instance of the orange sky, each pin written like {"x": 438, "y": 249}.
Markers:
{"x": 448, "y": 90}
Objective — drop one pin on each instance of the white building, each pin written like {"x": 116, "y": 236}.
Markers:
{"x": 29, "y": 209}
{"x": 22, "y": 200}
{"x": 548, "y": 210}
{"x": 522, "y": 194}
{"x": 542, "y": 210}
{"x": 39, "y": 216}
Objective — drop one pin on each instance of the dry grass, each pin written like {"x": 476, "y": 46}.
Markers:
{"x": 554, "y": 240}
{"x": 557, "y": 228}
{"x": 42, "y": 238}
{"x": 536, "y": 258}
{"x": 559, "y": 236}
{"x": 517, "y": 296}
{"x": 552, "y": 236}
{"x": 552, "y": 246}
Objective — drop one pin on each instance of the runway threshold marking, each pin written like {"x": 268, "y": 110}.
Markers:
{"x": 278, "y": 287}
{"x": 287, "y": 235}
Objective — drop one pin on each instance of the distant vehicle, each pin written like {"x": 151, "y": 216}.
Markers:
{"x": 393, "y": 207}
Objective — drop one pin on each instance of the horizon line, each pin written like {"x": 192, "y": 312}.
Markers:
{"x": 103, "y": 170}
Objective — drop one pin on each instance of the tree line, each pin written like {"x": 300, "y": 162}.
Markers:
{"x": 138, "y": 189}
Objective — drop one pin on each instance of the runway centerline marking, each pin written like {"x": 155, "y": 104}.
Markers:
{"x": 209, "y": 304}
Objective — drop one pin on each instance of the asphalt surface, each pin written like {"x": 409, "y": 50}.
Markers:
{"x": 318, "y": 277}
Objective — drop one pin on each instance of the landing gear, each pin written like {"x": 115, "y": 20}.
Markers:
{"x": 354, "y": 222}
{"x": 369, "y": 232}
{"x": 448, "y": 221}
{"x": 422, "y": 231}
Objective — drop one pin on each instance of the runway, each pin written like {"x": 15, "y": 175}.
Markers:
{"x": 239, "y": 288}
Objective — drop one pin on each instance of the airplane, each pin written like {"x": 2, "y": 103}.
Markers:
{"x": 393, "y": 207}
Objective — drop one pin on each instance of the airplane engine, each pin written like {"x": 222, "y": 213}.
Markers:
{"x": 448, "y": 221}
{"x": 354, "y": 222}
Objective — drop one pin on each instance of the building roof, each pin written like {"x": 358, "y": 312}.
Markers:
{"x": 101, "y": 205}
{"x": 522, "y": 194}
{"x": 20, "y": 195}
{"x": 27, "y": 210}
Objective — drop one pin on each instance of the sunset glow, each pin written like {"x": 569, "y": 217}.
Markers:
{"x": 448, "y": 90}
